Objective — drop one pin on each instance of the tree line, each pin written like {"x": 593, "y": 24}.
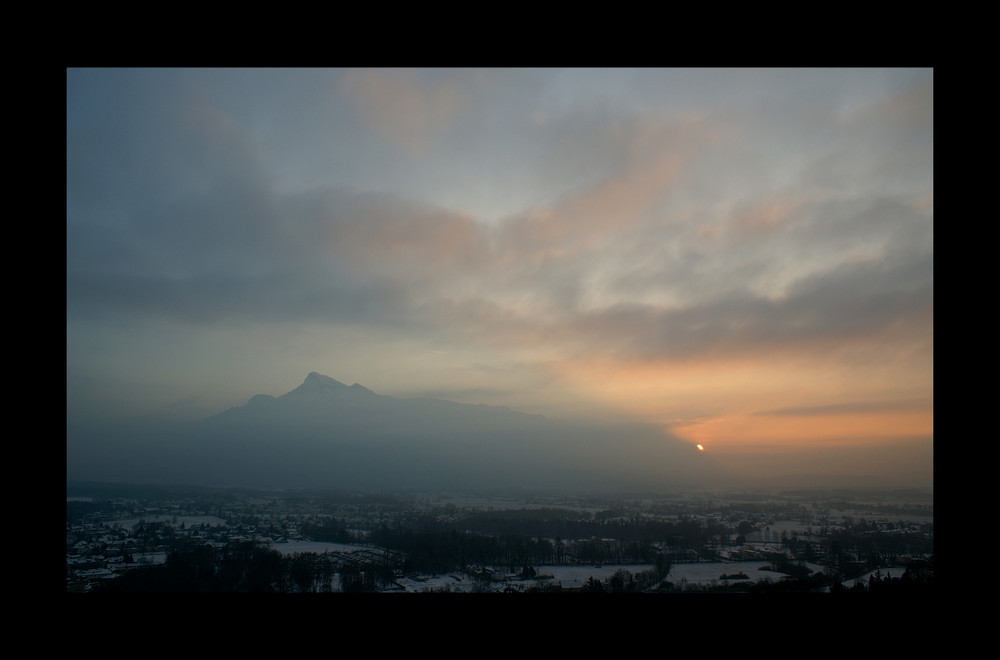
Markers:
{"x": 249, "y": 567}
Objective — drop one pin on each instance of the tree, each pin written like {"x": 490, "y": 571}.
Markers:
{"x": 622, "y": 581}
{"x": 662, "y": 566}
{"x": 303, "y": 571}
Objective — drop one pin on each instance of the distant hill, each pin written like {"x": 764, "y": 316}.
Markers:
{"x": 325, "y": 433}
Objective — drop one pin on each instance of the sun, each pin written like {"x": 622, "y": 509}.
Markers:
{"x": 700, "y": 448}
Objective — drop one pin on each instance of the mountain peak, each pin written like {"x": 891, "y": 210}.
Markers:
{"x": 314, "y": 377}
{"x": 316, "y": 382}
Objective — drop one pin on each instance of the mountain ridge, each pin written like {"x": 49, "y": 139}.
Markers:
{"x": 318, "y": 389}
{"x": 317, "y": 382}
{"x": 324, "y": 433}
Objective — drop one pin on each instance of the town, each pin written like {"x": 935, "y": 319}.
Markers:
{"x": 150, "y": 538}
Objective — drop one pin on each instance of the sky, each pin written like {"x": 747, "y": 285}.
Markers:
{"x": 741, "y": 257}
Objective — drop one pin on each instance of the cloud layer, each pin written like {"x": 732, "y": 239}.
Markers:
{"x": 560, "y": 231}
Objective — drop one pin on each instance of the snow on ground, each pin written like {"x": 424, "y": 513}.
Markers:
{"x": 566, "y": 576}
{"x": 707, "y": 573}
{"x": 173, "y": 521}
{"x": 576, "y": 576}
{"x": 319, "y": 547}
{"x": 702, "y": 573}
{"x": 452, "y": 582}
{"x": 710, "y": 572}
{"x": 150, "y": 558}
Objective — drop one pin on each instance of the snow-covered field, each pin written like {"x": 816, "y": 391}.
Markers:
{"x": 453, "y": 582}
{"x": 708, "y": 573}
{"x": 319, "y": 547}
{"x": 565, "y": 576}
{"x": 577, "y": 576}
{"x": 702, "y": 573}
{"x": 698, "y": 573}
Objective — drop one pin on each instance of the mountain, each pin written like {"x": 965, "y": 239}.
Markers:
{"x": 328, "y": 434}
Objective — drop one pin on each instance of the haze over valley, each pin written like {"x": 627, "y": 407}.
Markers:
{"x": 326, "y": 434}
